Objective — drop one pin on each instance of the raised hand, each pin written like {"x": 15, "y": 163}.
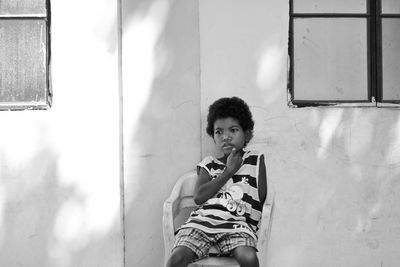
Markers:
{"x": 234, "y": 161}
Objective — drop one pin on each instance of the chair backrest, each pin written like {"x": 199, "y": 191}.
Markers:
{"x": 188, "y": 183}
{"x": 185, "y": 204}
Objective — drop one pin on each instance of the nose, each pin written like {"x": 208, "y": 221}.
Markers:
{"x": 226, "y": 136}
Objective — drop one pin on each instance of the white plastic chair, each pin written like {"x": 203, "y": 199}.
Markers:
{"x": 177, "y": 209}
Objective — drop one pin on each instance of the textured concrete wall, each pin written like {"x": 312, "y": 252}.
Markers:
{"x": 335, "y": 170}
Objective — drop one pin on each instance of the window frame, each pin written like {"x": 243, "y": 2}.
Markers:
{"x": 35, "y": 105}
{"x": 374, "y": 17}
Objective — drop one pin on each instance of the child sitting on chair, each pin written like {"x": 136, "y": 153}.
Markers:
{"x": 230, "y": 191}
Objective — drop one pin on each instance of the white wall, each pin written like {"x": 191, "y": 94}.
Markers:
{"x": 59, "y": 169}
{"x": 335, "y": 170}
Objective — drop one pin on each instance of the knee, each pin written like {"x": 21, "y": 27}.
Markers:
{"x": 250, "y": 259}
{"x": 246, "y": 256}
{"x": 179, "y": 258}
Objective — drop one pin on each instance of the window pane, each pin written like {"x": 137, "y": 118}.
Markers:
{"x": 330, "y": 6}
{"x": 330, "y": 59}
{"x": 23, "y": 61}
{"x": 391, "y": 59}
{"x": 23, "y": 7}
{"x": 391, "y": 6}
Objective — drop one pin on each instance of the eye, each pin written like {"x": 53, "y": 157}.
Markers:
{"x": 234, "y": 130}
{"x": 217, "y": 132}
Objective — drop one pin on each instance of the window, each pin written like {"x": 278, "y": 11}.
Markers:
{"x": 344, "y": 52}
{"x": 24, "y": 54}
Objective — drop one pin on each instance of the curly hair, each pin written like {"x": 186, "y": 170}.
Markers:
{"x": 233, "y": 107}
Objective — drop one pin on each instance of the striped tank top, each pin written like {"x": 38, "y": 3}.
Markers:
{"x": 236, "y": 207}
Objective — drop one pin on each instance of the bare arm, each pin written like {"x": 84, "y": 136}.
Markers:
{"x": 206, "y": 188}
{"x": 262, "y": 181}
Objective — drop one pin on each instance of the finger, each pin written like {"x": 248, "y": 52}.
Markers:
{"x": 238, "y": 154}
{"x": 232, "y": 154}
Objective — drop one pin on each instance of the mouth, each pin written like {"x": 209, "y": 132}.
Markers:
{"x": 227, "y": 146}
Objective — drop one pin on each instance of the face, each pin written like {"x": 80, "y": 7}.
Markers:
{"x": 229, "y": 134}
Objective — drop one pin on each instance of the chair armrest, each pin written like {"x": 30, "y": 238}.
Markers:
{"x": 171, "y": 208}
{"x": 168, "y": 225}
{"x": 168, "y": 220}
{"x": 266, "y": 222}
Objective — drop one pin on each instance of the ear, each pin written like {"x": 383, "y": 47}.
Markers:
{"x": 247, "y": 136}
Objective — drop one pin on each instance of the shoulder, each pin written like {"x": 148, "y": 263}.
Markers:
{"x": 211, "y": 164}
{"x": 253, "y": 157}
{"x": 206, "y": 160}
{"x": 254, "y": 153}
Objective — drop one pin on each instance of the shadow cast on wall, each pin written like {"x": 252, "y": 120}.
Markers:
{"x": 161, "y": 113}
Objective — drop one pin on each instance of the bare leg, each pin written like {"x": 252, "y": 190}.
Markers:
{"x": 246, "y": 256}
{"x": 180, "y": 257}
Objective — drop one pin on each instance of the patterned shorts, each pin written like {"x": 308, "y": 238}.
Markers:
{"x": 200, "y": 242}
